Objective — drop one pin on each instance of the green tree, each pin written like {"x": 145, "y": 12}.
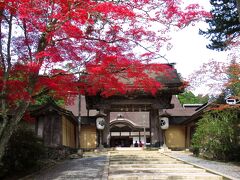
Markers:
{"x": 189, "y": 98}
{"x": 217, "y": 134}
{"x": 45, "y": 98}
{"x": 224, "y": 24}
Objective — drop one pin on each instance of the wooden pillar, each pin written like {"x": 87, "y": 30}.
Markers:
{"x": 106, "y": 131}
{"x": 155, "y": 130}
{"x": 162, "y": 133}
{"x": 97, "y": 137}
{"x": 78, "y": 129}
{"x": 87, "y": 112}
{"x": 139, "y": 136}
{"x": 150, "y": 129}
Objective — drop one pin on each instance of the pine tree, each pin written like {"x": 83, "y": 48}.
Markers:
{"x": 224, "y": 24}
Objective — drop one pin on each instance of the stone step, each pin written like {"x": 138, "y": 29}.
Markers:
{"x": 140, "y": 159}
{"x": 137, "y": 153}
{"x": 139, "y": 156}
{"x": 129, "y": 149}
{"x": 165, "y": 176}
{"x": 134, "y": 155}
{"x": 146, "y": 162}
{"x": 143, "y": 156}
{"x": 114, "y": 170}
{"x": 150, "y": 166}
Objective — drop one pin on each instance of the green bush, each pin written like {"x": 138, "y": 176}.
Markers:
{"x": 217, "y": 135}
{"x": 23, "y": 151}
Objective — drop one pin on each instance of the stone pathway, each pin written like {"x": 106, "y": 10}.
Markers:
{"x": 133, "y": 165}
{"x": 146, "y": 165}
{"x": 89, "y": 168}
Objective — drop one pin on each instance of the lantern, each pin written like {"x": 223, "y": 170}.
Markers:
{"x": 164, "y": 122}
{"x": 100, "y": 123}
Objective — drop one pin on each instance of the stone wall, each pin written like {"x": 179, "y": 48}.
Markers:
{"x": 58, "y": 153}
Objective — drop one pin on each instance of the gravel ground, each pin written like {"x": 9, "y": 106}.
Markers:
{"x": 90, "y": 168}
{"x": 228, "y": 169}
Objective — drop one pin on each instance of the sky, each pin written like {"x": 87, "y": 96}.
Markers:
{"x": 189, "y": 50}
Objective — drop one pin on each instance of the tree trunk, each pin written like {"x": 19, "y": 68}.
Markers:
{"x": 11, "y": 126}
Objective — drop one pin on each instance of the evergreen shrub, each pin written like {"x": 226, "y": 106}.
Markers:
{"x": 217, "y": 135}
{"x": 23, "y": 151}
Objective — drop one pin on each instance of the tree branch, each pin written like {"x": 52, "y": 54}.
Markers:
{"x": 160, "y": 56}
{"x": 103, "y": 40}
{"x": 9, "y": 43}
{"x": 1, "y": 48}
{"x": 27, "y": 40}
{"x": 43, "y": 92}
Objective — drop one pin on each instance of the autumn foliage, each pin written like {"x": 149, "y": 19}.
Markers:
{"x": 46, "y": 45}
{"x": 49, "y": 40}
{"x": 120, "y": 76}
{"x": 218, "y": 76}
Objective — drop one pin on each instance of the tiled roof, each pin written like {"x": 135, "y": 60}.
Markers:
{"x": 178, "y": 110}
{"x": 74, "y": 107}
{"x": 52, "y": 106}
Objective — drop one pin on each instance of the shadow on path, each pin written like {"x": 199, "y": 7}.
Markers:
{"x": 84, "y": 169}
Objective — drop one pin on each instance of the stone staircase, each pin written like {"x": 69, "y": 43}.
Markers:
{"x": 138, "y": 165}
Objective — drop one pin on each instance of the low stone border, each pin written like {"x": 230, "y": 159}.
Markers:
{"x": 226, "y": 177}
{"x": 129, "y": 148}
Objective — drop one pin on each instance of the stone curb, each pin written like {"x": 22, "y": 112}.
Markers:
{"x": 225, "y": 177}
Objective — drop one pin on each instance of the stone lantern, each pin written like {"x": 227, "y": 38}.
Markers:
{"x": 164, "y": 124}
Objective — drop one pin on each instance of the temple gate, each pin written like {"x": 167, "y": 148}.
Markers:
{"x": 139, "y": 101}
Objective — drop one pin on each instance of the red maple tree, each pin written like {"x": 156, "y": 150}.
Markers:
{"x": 45, "y": 43}
{"x": 218, "y": 77}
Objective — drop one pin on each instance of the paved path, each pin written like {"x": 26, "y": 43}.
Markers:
{"x": 228, "y": 169}
{"x": 90, "y": 168}
{"x": 136, "y": 165}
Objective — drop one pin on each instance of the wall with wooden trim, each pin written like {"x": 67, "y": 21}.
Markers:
{"x": 51, "y": 129}
{"x": 68, "y": 133}
{"x": 176, "y": 137}
{"x": 88, "y": 137}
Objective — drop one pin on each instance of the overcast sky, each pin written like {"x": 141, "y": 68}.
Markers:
{"x": 189, "y": 50}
